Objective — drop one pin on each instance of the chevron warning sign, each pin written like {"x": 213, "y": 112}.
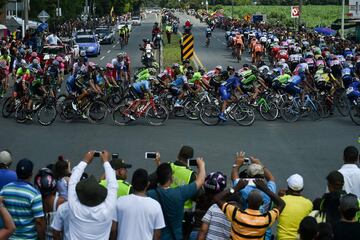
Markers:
{"x": 187, "y": 46}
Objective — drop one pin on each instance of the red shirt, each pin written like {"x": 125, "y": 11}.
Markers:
{"x": 187, "y": 24}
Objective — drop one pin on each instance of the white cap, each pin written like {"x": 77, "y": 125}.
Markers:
{"x": 5, "y": 157}
{"x": 295, "y": 182}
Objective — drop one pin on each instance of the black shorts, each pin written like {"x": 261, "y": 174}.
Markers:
{"x": 135, "y": 94}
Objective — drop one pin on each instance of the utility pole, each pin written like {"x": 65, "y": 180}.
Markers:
{"x": 26, "y": 16}
{"x": 232, "y": 9}
{"x": 343, "y": 20}
{"x": 300, "y": 14}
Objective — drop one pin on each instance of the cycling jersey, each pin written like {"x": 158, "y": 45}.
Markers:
{"x": 180, "y": 81}
{"x": 141, "y": 87}
{"x": 353, "y": 90}
{"x": 283, "y": 79}
{"x": 258, "y": 48}
{"x": 20, "y": 73}
{"x": 227, "y": 86}
{"x": 143, "y": 75}
{"x": 208, "y": 32}
{"x": 248, "y": 77}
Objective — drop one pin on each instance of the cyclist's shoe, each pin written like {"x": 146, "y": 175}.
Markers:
{"x": 223, "y": 117}
{"x": 178, "y": 103}
{"x": 83, "y": 116}
{"x": 74, "y": 106}
{"x": 29, "y": 117}
{"x": 130, "y": 116}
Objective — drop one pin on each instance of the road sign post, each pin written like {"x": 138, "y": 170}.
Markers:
{"x": 187, "y": 46}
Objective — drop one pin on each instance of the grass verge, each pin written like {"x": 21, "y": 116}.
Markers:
{"x": 172, "y": 51}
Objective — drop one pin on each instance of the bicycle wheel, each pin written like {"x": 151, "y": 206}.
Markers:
{"x": 354, "y": 112}
{"x": 20, "y": 114}
{"x": 209, "y": 114}
{"x": 342, "y": 104}
{"x": 157, "y": 116}
{"x": 97, "y": 111}
{"x": 8, "y": 107}
{"x": 46, "y": 115}
{"x": 269, "y": 111}
{"x": 316, "y": 110}
{"x": 243, "y": 114}
{"x": 59, "y": 102}
{"x": 192, "y": 110}
{"x": 120, "y": 117}
{"x": 114, "y": 100}
{"x": 289, "y": 111}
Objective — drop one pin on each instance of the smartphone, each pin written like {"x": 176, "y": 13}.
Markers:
{"x": 150, "y": 155}
{"x": 192, "y": 162}
{"x": 247, "y": 161}
{"x": 97, "y": 154}
{"x": 114, "y": 155}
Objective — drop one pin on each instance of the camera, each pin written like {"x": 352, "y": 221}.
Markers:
{"x": 97, "y": 154}
{"x": 150, "y": 155}
{"x": 247, "y": 161}
{"x": 192, "y": 162}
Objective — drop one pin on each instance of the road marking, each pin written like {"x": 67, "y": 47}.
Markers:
{"x": 102, "y": 58}
{"x": 109, "y": 51}
{"x": 114, "y": 46}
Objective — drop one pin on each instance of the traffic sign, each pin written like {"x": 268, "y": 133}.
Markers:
{"x": 187, "y": 46}
{"x": 43, "y": 16}
{"x": 295, "y": 11}
{"x": 247, "y": 18}
{"x": 354, "y": 8}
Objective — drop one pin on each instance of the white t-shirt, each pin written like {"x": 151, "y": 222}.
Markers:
{"x": 138, "y": 217}
{"x": 351, "y": 173}
{"x": 61, "y": 222}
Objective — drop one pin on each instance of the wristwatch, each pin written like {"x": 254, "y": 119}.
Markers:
{"x": 231, "y": 190}
{"x": 2, "y": 205}
{"x": 235, "y": 165}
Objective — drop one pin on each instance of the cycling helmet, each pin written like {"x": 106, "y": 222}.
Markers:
{"x": 23, "y": 63}
{"x": 147, "y": 41}
{"x": 121, "y": 54}
{"x": 59, "y": 59}
{"x": 35, "y": 61}
{"x": 45, "y": 181}
{"x": 230, "y": 68}
{"x": 189, "y": 72}
{"x": 175, "y": 65}
{"x": 218, "y": 67}
{"x": 34, "y": 54}
{"x": 109, "y": 65}
{"x": 82, "y": 53}
{"x": 55, "y": 63}
{"x": 186, "y": 61}
{"x": 92, "y": 65}
{"x": 215, "y": 182}
{"x": 224, "y": 74}
{"x": 245, "y": 65}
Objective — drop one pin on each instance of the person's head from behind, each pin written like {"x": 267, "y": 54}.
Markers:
{"x": 185, "y": 153}
{"x": 140, "y": 180}
{"x": 215, "y": 182}
{"x": 295, "y": 183}
{"x": 5, "y": 159}
{"x": 335, "y": 181}
{"x": 349, "y": 206}
{"x": 255, "y": 170}
{"x": 351, "y": 155}
{"x": 24, "y": 169}
{"x": 255, "y": 200}
{"x": 164, "y": 174}
{"x": 308, "y": 228}
{"x": 45, "y": 182}
{"x": 61, "y": 168}
{"x": 325, "y": 232}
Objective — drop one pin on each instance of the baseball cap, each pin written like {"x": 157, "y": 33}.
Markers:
{"x": 5, "y": 157}
{"x": 254, "y": 170}
{"x": 349, "y": 201}
{"x": 119, "y": 163}
{"x": 295, "y": 182}
{"x": 186, "y": 152}
{"x": 24, "y": 168}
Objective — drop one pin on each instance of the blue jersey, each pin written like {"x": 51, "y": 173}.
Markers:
{"x": 346, "y": 71}
{"x": 296, "y": 80}
{"x": 99, "y": 80}
{"x": 142, "y": 86}
{"x": 180, "y": 81}
{"x": 232, "y": 83}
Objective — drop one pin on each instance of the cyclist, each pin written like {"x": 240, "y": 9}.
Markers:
{"x": 178, "y": 85}
{"x": 5, "y": 83}
{"x": 110, "y": 76}
{"x": 185, "y": 66}
{"x": 145, "y": 74}
{"x": 122, "y": 36}
{"x": 120, "y": 68}
{"x": 208, "y": 35}
{"x": 155, "y": 30}
{"x": 139, "y": 90}
{"x": 127, "y": 33}
{"x": 238, "y": 45}
{"x": 257, "y": 52}
{"x": 353, "y": 91}
{"x": 226, "y": 91}
{"x": 52, "y": 76}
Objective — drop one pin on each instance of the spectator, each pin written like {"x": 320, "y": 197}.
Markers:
{"x": 351, "y": 171}
{"x": 215, "y": 182}
{"x": 9, "y": 227}
{"x": 29, "y": 216}
{"x": 62, "y": 172}
{"x": 120, "y": 168}
{"x": 297, "y": 207}
{"x": 6, "y": 174}
{"x": 60, "y": 224}
{"x": 329, "y": 203}
{"x": 308, "y": 228}
{"x": 45, "y": 182}
{"x": 91, "y": 205}
{"x": 139, "y": 216}
{"x": 325, "y": 232}
{"x": 169, "y": 30}
{"x": 348, "y": 228}
{"x": 215, "y": 225}
{"x": 172, "y": 199}
{"x": 250, "y": 223}
{"x": 254, "y": 170}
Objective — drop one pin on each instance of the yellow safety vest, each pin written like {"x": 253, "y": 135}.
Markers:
{"x": 124, "y": 187}
{"x": 181, "y": 176}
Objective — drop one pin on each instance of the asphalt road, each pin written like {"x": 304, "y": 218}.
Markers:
{"x": 311, "y": 149}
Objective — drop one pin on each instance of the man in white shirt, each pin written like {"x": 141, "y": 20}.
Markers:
{"x": 91, "y": 206}
{"x": 139, "y": 216}
{"x": 60, "y": 223}
{"x": 351, "y": 171}
{"x": 52, "y": 39}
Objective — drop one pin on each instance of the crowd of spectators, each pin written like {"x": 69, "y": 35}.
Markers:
{"x": 173, "y": 202}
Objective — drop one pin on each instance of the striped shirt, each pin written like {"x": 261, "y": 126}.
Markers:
{"x": 24, "y": 204}
{"x": 219, "y": 226}
{"x": 249, "y": 224}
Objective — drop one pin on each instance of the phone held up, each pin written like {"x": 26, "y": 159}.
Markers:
{"x": 191, "y": 162}
{"x": 97, "y": 154}
{"x": 150, "y": 155}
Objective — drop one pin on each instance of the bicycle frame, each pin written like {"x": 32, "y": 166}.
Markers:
{"x": 144, "y": 104}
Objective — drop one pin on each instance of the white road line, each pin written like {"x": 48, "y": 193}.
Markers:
{"x": 109, "y": 51}
{"x": 102, "y": 58}
{"x": 114, "y": 46}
